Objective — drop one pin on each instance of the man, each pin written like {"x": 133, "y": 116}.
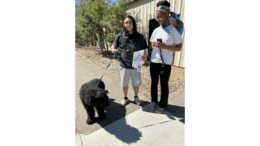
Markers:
{"x": 129, "y": 41}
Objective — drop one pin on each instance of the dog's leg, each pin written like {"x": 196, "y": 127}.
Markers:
{"x": 91, "y": 116}
{"x": 101, "y": 112}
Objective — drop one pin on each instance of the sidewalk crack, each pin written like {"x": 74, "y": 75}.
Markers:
{"x": 81, "y": 140}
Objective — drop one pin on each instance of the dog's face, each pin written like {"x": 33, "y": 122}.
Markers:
{"x": 96, "y": 97}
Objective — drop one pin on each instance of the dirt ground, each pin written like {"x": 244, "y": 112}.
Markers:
{"x": 93, "y": 53}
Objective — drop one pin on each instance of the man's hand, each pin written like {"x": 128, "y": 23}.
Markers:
{"x": 144, "y": 58}
{"x": 160, "y": 45}
{"x": 113, "y": 49}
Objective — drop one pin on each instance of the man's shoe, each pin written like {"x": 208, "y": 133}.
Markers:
{"x": 124, "y": 102}
{"x": 137, "y": 101}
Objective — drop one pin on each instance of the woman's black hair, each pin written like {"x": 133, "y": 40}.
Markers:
{"x": 125, "y": 32}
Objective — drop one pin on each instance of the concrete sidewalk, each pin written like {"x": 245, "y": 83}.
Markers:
{"x": 142, "y": 127}
{"x": 87, "y": 70}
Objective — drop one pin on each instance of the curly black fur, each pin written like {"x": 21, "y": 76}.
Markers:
{"x": 92, "y": 96}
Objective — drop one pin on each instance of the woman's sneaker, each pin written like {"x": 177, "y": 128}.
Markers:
{"x": 124, "y": 102}
{"x": 160, "y": 110}
{"x": 137, "y": 101}
{"x": 152, "y": 106}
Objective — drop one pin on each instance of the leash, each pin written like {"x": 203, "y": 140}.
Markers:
{"x": 106, "y": 69}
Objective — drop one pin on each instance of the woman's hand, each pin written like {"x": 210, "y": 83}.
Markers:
{"x": 160, "y": 45}
{"x": 153, "y": 44}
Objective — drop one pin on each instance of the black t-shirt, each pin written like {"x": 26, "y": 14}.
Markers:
{"x": 128, "y": 47}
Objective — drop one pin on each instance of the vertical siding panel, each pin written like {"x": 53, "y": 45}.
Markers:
{"x": 178, "y": 6}
{"x": 143, "y": 15}
{"x": 177, "y": 54}
{"x": 140, "y": 15}
{"x": 155, "y": 7}
{"x": 146, "y": 16}
{"x": 137, "y": 11}
{"x": 172, "y": 2}
{"x": 152, "y": 11}
{"x": 182, "y": 59}
{"x": 148, "y": 10}
{"x": 151, "y": 16}
{"x": 182, "y": 17}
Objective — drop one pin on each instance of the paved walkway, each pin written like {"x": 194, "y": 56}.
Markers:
{"x": 122, "y": 125}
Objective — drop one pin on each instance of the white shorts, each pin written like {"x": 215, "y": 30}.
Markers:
{"x": 125, "y": 77}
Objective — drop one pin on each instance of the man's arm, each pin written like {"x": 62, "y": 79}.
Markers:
{"x": 115, "y": 44}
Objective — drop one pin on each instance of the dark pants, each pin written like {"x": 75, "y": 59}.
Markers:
{"x": 164, "y": 73}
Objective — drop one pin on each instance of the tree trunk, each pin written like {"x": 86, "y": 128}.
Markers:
{"x": 107, "y": 46}
{"x": 100, "y": 43}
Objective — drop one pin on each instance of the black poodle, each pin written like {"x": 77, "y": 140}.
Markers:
{"x": 92, "y": 96}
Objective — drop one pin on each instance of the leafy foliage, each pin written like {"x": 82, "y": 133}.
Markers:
{"x": 100, "y": 19}
{"x": 113, "y": 20}
{"x": 89, "y": 15}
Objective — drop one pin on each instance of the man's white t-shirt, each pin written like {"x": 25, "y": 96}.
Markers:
{"x": 174, "y": 39}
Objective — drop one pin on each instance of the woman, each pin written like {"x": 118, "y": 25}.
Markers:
{"x": 129, "y": 41}
{"x": 161, "y": 59}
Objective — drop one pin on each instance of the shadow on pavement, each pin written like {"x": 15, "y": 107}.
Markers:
{"x": 176, "y": 111}
{"x": 114, "y": 112}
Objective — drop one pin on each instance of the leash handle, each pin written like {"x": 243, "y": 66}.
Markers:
{"x": 106, "y": 68}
